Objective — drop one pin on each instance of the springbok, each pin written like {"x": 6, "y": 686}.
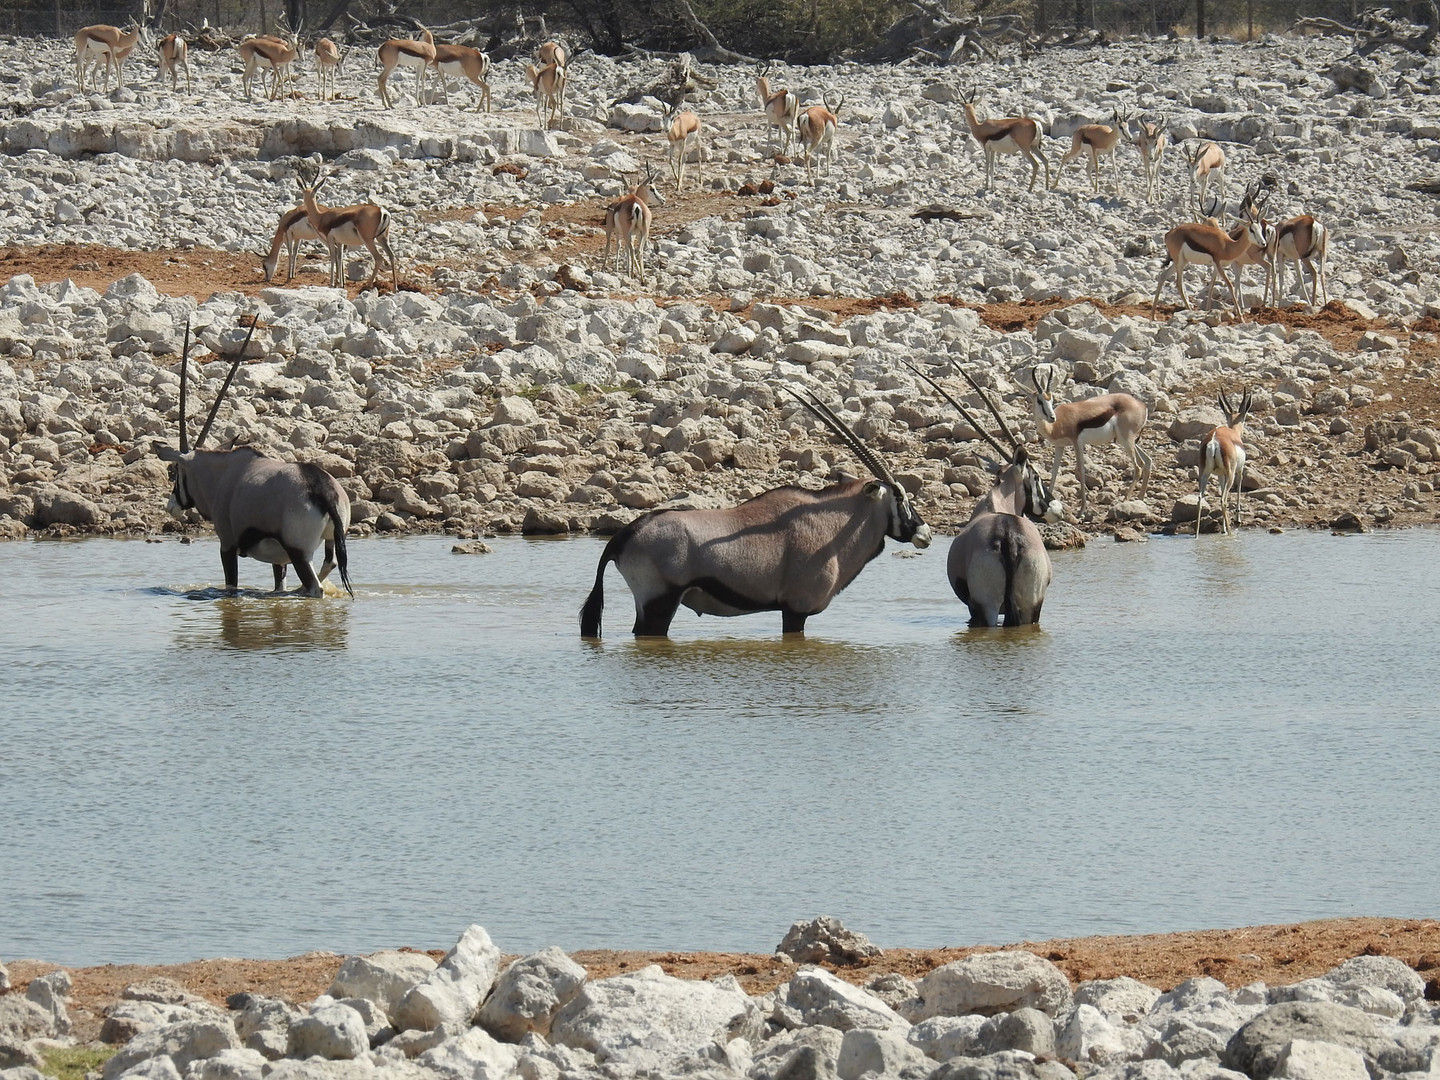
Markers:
{"x": 1222, "y": 454}
{"x": 781, "y": 109}
{"x": 547, "y": 84}
{"x": 275, "y": 512}
{"x": 1101, "y": 140}
{"x": 466, "y": 64}
{"x": 1205, "y": 243}
{"x": 553, "y": 52}
{"x": 1012, "y": 135}
{"x": 174, "y": 53}
{"x": 110, "y": 44}
{"x": 293, "y": 228}
{"x": 327, "y": 67}
{"x": 790, "y": 550}
{"x": 816, "y": 130}
{"x": 628, "y": 223}
{"x": 271, "y": 54}
{"x": 346, "y": 227}
{"x": 998, "y": 565}
{"x": 1300, "y": 240}
{"x": 402, "y": 52}
{"x": 1149, "y": 141}
{"x": 680, "y": 127}
{"x": 1096, "y": 421}
{"x": 1207, "y": 161}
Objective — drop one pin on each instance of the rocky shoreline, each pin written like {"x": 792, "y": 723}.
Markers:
{"x": 827, "y": 1004}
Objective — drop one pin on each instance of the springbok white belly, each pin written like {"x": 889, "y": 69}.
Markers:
{"x": 1196, "y": 257}
{"x": 1006, "y": 145}
{"x": 347, "y": 235}
{"x": 1097, "y": 436}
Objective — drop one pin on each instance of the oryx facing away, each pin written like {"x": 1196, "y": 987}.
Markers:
{"x": 998, "y": 565}
{"x": 276, "y": 512}
{"x": 789, "y": 550}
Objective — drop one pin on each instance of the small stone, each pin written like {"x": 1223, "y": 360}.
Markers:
{"x": 472, "y": 547}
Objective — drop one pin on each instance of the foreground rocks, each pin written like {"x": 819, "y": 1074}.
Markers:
{"x": 994, "y": 1016}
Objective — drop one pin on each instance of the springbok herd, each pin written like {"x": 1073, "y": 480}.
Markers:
{"x": 790, "y": 549}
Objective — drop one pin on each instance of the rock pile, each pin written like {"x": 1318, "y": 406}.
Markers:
{"x": 992, "y": 1016}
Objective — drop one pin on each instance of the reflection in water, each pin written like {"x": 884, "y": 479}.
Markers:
{"x": 267, "y": 621}
{"x": 1225, "y": 571}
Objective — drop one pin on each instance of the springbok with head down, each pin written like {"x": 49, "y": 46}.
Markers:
{"x": 998, "y": 565}
{"x": 1096, "y": 421}
{"x": 547, "y": 84}
{"x": 1222, "y": 455}
{"x": 816, "y": 129}
{"x": 275, "y": 512}
{"x": 294, "y": 228}
{"x": 790, "y": 550}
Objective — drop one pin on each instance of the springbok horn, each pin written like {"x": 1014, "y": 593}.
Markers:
{"x": 969, "y": 417}
{"x": 184, "y": 386}
{"x": 234, "y": 367}
{"x": 994, "y": 409}
{"x": 838, "y": 426}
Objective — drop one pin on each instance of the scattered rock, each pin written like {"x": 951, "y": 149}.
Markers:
{"x": 825, "y": 939}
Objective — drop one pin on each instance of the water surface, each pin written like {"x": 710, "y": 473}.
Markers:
{"x": 1202, "y": 734}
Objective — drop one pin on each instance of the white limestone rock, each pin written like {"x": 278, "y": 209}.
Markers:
{"x": 331, "y": 1031}
{"x": 383, "y": 977}
{"x": 879, "y": 1051}
{"x": 989, "y": 983}
{"x": 473, "y": 1055}
{"x": 455, "y": 989}
{"x": 815, "y": 996}
{"x": 187, "y": 1041}
{"x": 528, "y": 994}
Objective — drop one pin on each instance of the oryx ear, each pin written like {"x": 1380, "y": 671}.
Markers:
{"x": 166, "y": 452}
{"x": 874, "y": 490}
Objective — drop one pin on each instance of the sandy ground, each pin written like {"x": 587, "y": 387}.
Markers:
{"x": 1276, "y": 955}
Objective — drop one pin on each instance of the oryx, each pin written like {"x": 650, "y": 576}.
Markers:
{"x": 272, "y": 511}
{"x": 998, "y": 565}
{"x": 789, "y": 550}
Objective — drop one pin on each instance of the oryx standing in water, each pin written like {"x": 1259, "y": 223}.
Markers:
{"x": 276, "y": 512}
{"x": 998, "y": 565}
{"x": 789, "y": 550}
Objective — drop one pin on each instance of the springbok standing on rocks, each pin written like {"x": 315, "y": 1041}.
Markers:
{"x": 547, "y": 84}
{"x": 1222, "y": 454}
{"x": 1300, "y": 240}
{"x": 628, "y": 223}
{"x": 1149, "y": 141}
{"x": 110, "y": 44}
{"x": 402, "y": 52}
{"x": 327, "y": 67}
{"x": 1204, "y": 243}
{"x": 273, "y": 511}
{"x": 998, "y": 565}
{"x": 174, "y": 53}
{"x": 681, "y": 125}
{"x": 781, "y": 109}
{"x": 466, "y": 64}
{"x": 1207, "y": 161}
{"x": 553, "y": 52}
{"x": 1012, "y": 135}
{"x": 816, "y": 130}
{"x": 272, "y": 54}
{"x": 1096, "y": 421}
{"x": 789, "y": 550}
{"x": 1100, "y": 140}
{"x": 294, "y": 227}
{"x": 346, "y": 227}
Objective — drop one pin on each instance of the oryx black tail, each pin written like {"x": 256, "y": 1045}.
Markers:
{"x": 595, "y": 603}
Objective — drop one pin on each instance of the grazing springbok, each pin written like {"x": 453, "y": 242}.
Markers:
{"x": 816, "y": 130}
{"x": 998, "y": 565}
{"x": 327, "y": 67}
{"x": 272, "y": 511}
{"x": 272, "y": 54}
{"x": 627, "y": 223}
{"x": 110, "y": 44}
{"x": 1300, "y": 240}
{"x": 547, "y": 84}
{"x": 1100, "y": 140}
{"x": 1012, "y": 135}
{"x": 790, "y": 550}
{"x": 402, "y": 52}
{"x": 1096, "y": 421}
{"x": 552, "y": 52}
{"x": 681, "y": 125}
{"x": 174, "y": 53}
{"x": 1149, "y": 141}
{"x": 347, "y": 227}
{"x": 468, "y": 65}
{"x": 1205, "y": 243}
{"x": 1222, "y": 454}
{"x": 780, "y": 107}
{"x": 294, "y": 227}
{"x": 1207, "y": 161}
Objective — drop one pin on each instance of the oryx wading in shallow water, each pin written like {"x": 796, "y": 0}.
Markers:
{"x": 789, "y": 550}
{"x": 276, "y": 512}
{"x": 998, "y": 565}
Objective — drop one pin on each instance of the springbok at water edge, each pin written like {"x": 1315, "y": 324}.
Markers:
{"x": 998, "y": 565}
{"x": 790, "y": 550}
{"x": 1222, "y": 455}
{"x": 275, "y": 512}
{"x": 174, "y": 53}
{"x": 1096, "y": 421}
{"x": 1012, "y": 135}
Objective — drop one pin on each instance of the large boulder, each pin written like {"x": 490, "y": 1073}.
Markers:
{"x": 1119, "y": 1000}
{"x": 1301, "y": 1059}
{"x": 1381, "y": 972}
{"x": 263, "y": 1025}
{"x": 1201, "y": 1002}
{"x": 383, "y": 977}
{"x": 49, "y": 992}
{"x": 332, "y": 1031}
{"x": 881, "y": 1052}
{"x": 182, "y": 1043}
{"x": 990, "y": 983}
{"x": 474, "y": 1055}
{"x": 1256, "y": 1049}
{"x": 240, "y": 1064}
{"x": 529, "y": 993}
{"x": 812, "y": 1049}
{"x": 454, "y": 990}
{"x": 648, "y": 1017}
{"x": 22, "y": 1020}
{"x": 126, "y": 1019}
{"x": 1006, "y": 1065}
{"x": 815, "y": 996}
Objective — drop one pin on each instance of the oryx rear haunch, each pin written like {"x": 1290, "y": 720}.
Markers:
{"x": 789, "y": 550}
{"x": 276, "y": 512}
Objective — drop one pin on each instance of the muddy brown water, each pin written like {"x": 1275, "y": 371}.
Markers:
{"x": 1214, "y": 733}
